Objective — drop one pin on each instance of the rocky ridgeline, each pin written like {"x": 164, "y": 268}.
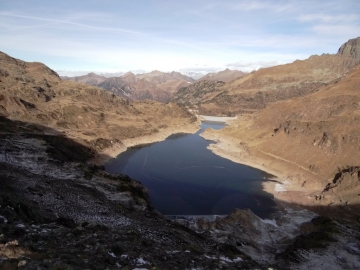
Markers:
{"x": 256, "y": 90}
{"x": 350, "y": 49}
{"x": 154, "y": 85}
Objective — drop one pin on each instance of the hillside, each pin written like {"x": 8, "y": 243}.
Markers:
{"x": 34, "y": 93}
{"x": 155, "y": 85}
{"x": 255, "y": 90}
{"x": 312, "y": 139}
{"x": 226, "y": 75}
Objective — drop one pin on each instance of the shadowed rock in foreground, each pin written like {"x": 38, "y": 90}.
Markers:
{"x": 57, "y": 212}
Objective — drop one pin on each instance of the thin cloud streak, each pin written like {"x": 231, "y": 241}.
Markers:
{"x": 202, "y": 35}
{"x": 74, "y": 23}
{"x": 328, "y": 18}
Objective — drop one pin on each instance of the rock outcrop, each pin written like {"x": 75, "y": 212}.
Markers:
{"x": 350, "y": 49}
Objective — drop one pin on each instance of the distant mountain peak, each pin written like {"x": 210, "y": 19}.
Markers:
{"x": 92, "y": 74}
{"x": 129, "y": 73}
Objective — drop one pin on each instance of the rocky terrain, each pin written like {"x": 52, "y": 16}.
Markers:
{"x": 254, "y": 91}
{"x": 226, "y": 75}
{"x": 312, "y": 140}
{"x": 60, "y": 211}
{"x": 155, "y": 85}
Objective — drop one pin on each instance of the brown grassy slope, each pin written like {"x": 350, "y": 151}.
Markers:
{"x": 31, "y": 92}
{"x": 316, "y": 136}
{"x": 226, "y": 75}
{"x": 90, "y": 78}
{"x": 173, "y": 86}
{"x": 254, "y": 91}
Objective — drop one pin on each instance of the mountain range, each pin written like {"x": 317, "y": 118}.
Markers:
{"x": 155, "y": 85}
{"x": 254, "y": 91}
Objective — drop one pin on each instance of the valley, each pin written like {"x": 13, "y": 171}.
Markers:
{"x": 60, "y": 208}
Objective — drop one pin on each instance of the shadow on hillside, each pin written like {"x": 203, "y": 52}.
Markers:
{"x": 58, "y": 146}
{"x": 349, "y": 213}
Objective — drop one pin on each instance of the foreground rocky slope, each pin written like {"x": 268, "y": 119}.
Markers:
{"x": 57, "y": 212}
{"x": 257, "y": 89}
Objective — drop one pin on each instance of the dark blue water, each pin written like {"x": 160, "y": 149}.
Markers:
{"x": 185, "y": 178}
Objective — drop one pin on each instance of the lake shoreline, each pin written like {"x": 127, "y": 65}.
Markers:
{"x": 286, "y": 187}
{"x": 117, "y": 148}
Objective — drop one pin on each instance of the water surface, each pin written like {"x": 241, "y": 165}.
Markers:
{"x": 185, "y": 178}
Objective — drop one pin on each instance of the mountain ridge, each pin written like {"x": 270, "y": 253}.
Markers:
{"x": 155, "y": 85}
{"x": 254, "y": 91}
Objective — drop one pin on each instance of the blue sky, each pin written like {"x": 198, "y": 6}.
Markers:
{"x": 197, "y": 35}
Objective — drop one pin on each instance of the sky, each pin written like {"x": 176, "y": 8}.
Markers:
{"x": 75, "y": 37}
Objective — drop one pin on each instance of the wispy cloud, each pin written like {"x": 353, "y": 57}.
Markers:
{"x": 202, "y": 35}
{"x": 328, "y": 18}
{"x": 244, "y": 65}
{"x": 337, "y": 30}
{"x": 70, "y": 22}
{"x": 254, "y": 5}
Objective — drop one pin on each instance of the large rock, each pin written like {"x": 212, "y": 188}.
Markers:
{"x": 350, "y": 49}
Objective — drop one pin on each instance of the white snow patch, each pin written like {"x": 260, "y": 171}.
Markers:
{"x": 124, "y": 256}
{"x": 210, "y": 257}
{"x": 141, "y": 261}
{"x": 172, "y": 251}
{"x": 238, "y": 259}
{"x": 4, "y": 219}
{"x": 226, "y": 259}
{"x": 112, "y": 254}
{"x": 187, "y": 251}
{"x": 270, "y": 221}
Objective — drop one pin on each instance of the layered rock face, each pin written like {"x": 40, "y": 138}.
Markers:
{"x": 350, "y": 49}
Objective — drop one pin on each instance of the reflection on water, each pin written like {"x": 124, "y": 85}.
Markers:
{"x": 185, "y": 178}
